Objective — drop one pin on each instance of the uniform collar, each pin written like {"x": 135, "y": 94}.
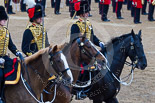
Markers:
{"x": 35, "y": 24}
{"x": 82, "y": 20}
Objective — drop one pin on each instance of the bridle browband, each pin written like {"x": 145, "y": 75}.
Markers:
{"x": 85, "y": 51}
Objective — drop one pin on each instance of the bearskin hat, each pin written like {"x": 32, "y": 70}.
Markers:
{"x": 82, "y": 7}
{"x": 3, "y": 14}
{"x": 34, "y": 10}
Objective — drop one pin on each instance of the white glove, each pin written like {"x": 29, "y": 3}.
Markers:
{"x": 18, "y": 53}
{"x": 2, "y": 61}
{"x": 101, "y": 45}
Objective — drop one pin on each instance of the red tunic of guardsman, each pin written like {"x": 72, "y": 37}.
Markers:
{"x": 138, "y": 5}
{"x": 104, "y": 7}
{"x": 71, "y": 7}
{"x": 118, "y": 8}
{"x": 35, "y": 36}
{"x": 5, "y": 43}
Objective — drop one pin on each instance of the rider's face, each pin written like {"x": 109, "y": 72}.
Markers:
{"x": 38, "y": 21}
{"x": 85, "y": 15}
{"x": 3, "y": 22}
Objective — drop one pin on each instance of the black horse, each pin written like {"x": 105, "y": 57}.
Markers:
{"x": 128, "y": 45}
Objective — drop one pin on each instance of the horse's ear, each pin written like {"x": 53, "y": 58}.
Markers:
{"x": 132, "y": 32}
{"x": 50, "y": 46}
{"x": 55, "y": 49}
{"x": 62, "y": 46}
{"x": 140, "y": 33}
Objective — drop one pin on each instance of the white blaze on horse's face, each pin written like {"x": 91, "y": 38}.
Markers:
{"x": 66, "y": 66}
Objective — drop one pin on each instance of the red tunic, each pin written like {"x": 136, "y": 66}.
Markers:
{"x": 120, "y": 0}
{"x": 106, "y": 2}
{"x": 138, "y": 3}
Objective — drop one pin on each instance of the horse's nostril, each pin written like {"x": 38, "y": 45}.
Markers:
{"x": 144, "y": 65}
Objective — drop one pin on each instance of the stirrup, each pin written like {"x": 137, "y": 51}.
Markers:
{"x": 80, "y": 95}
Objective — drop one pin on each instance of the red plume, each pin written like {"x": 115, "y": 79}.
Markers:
{"x": 31, "y": 12}
{"x": 77, "y": 6}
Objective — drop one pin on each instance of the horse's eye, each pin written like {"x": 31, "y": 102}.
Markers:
{"x": 88, "y": 45}
{"x": 59, "y": 61}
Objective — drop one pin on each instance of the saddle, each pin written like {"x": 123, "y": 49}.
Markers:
{"x": 12, "y": 72}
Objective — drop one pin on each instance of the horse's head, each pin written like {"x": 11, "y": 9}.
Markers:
{"x": 136, "y": 51}
{"x": 85, "y": 51}
{"x": 59, "y": 63}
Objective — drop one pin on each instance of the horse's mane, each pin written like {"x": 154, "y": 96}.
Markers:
{"x": 115, "y": 39}
{"x": 36, "y": 55}
{"x": 42, "y": 51}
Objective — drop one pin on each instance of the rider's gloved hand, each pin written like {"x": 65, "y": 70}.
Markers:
{"x": 102, "y": 45}
{"x": 2, "y": 61}
{"x": 18, "y": 53}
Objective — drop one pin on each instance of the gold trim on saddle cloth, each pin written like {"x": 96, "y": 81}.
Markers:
{"x": 17, "y": 78}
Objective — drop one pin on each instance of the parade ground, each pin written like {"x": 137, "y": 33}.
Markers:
{"x": 142, "y": 89}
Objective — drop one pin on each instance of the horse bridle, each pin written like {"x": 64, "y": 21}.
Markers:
{"x": 52, "y": 62}
{"x": 133, "y": 64}
{"x": 85, "y": 51}
{"x": 132, "y": 47}
{"x": 137, "y": 57}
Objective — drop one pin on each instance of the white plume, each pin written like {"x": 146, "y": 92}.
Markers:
{"x": 30, "y": 3}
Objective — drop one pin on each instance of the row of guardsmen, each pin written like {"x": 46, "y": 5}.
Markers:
{"x": 54, "y": 3}
{"x": 134, "y": 5}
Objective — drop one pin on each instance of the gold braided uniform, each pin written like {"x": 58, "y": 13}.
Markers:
{"x": 37, "y": 34}
{"x": 35, "y": 31}
{"x": 85, "y": 27}
{"x": 81, "y": 27}
{"x": 4, "y": 40}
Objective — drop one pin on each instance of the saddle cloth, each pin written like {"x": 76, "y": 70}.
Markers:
{"x": 12, "y": 72}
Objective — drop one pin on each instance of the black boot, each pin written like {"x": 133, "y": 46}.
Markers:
{"x": 23, "y": 7}
{"x": 10, "y": 10}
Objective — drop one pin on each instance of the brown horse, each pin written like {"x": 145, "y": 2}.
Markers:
{"x": 35, "y": 73}
{"x": 79, "y": 51}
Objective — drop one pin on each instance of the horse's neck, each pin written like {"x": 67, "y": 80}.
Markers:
{"x": 73, "y": 63}
{"x": 37, "y": 76}
{"x": 117, "y": 60}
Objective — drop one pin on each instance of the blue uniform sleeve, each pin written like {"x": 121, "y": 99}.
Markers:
{"x": 26, "y": 42}
{"x": 11, "y": 46}
{"x": 96, "y": 41}
{"x": 74, "y": 32}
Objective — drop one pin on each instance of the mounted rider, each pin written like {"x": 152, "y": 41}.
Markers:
{"x": 83, "y": 27}
{"x": 35, "y": 35}
{"x": 5, "y": 43}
